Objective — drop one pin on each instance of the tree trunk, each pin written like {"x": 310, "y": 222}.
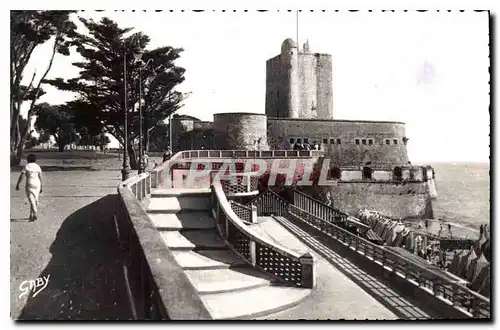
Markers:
{"x": 132, "y": 157}
{"x": 15, "y": 160}
{"x": 61, "y": 146}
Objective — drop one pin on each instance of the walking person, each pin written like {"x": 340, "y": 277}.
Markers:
{"x": 34, "y": 184}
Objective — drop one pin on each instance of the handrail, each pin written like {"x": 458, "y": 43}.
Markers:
{"x": 228, "y": 211}
{"x": 259, "y": 251}
{"x": 335, "y": 210}
{"x": 439, "y": 284}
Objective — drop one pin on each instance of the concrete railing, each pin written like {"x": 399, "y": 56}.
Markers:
{"x": 157, "y": 286}
{"x": 162, "y": 173}
{"x": 449, "y": 292}
{"x": 279, "y": 262}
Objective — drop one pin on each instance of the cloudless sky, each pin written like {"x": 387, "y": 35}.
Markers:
{"x": 429, "y": 70}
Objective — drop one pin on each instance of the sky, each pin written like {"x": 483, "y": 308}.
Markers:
{"x": 429, "y": 69}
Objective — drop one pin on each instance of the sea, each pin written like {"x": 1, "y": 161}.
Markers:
{"x": 463, "y": 193}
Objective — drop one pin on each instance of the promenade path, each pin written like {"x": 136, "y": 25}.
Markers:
{"x": 74, "y": 241}
{"x": 343, "y": 290}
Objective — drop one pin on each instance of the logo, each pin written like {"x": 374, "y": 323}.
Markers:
{"x": 36, "y": 286}
{"x": 301, "y": 172}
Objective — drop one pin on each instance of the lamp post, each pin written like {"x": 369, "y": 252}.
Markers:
{"x": 170, "y": 132}
{"x": 126, "y": 166}
{"x": 142, "y": 166}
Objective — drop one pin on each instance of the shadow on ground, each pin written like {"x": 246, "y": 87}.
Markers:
{"x": 86, "y": 273}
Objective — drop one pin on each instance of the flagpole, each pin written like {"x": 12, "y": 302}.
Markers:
{"x": 297, "y": 27}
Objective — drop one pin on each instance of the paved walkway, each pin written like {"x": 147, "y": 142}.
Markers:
{"x": 74, "y": 242}
{"x": 343, "y": 291}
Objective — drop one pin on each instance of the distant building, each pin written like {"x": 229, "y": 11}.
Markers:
{"x": 299, "y": 105}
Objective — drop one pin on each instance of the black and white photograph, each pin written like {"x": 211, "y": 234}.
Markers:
{"x": 251, "y": 164}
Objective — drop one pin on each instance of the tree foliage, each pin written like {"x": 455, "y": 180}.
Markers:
{"x": 106, "y": 52}
{"x": 58, "y": 121}
{"x": 31, "y": 141}
{"x": 158, "y": 137}
{"x": 28, "y": 30}
{"x": 100, "y": 140}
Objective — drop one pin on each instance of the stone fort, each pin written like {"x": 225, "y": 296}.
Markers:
{"x": 299, "y": 105}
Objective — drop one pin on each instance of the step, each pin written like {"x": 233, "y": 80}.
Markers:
{"x": 253, "y": 303}
{"x": 208, "y": 259}
{"x": 182, "y": 220}
{"x": 176, "y": 204}
{"x": 176, "y": 192}
{"x": 193, "y": 240}
{"x": 227, "y": 280}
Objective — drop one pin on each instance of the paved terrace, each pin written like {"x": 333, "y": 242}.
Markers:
{"x": 74, "y": 242}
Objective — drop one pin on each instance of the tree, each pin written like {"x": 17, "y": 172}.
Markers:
{"x": 31, "y": 141}
{"x": 29, "y": 29}
{"x": 86, "y": 139}
{"x": 158, "y": 139}
{"x": 100, "y": 83}
{"x": 102, "y": 141}
{"x": 58, "y": 121}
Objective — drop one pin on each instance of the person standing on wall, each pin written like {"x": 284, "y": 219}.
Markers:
{"x": 298, "y": 145}
{"x": 167, "y": 154}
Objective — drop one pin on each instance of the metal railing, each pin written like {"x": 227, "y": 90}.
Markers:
{"x": 452, "y": 293}
{"x": 279, "y": 262}
{"x": 247, "y": 214}
{"x": 317, "y": 207}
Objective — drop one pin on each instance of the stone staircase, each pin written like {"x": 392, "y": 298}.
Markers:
{"x": 229, "y": 287}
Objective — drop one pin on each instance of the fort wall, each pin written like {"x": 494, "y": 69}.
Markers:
{"x": 202, "y": 125}
{"x": 240, "y": 131}
{"x": 179, "y": 127}
{"x": 345, "y": 142}
{"x": 307, "y": 86}
{"x": 276, "y": 88}
{"x": 299, "y": 84}
{"x": 324, "y": 83}
{"x": 406, "y": 200}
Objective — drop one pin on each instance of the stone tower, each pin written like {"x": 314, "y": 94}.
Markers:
{"x": 299, "y": 84}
